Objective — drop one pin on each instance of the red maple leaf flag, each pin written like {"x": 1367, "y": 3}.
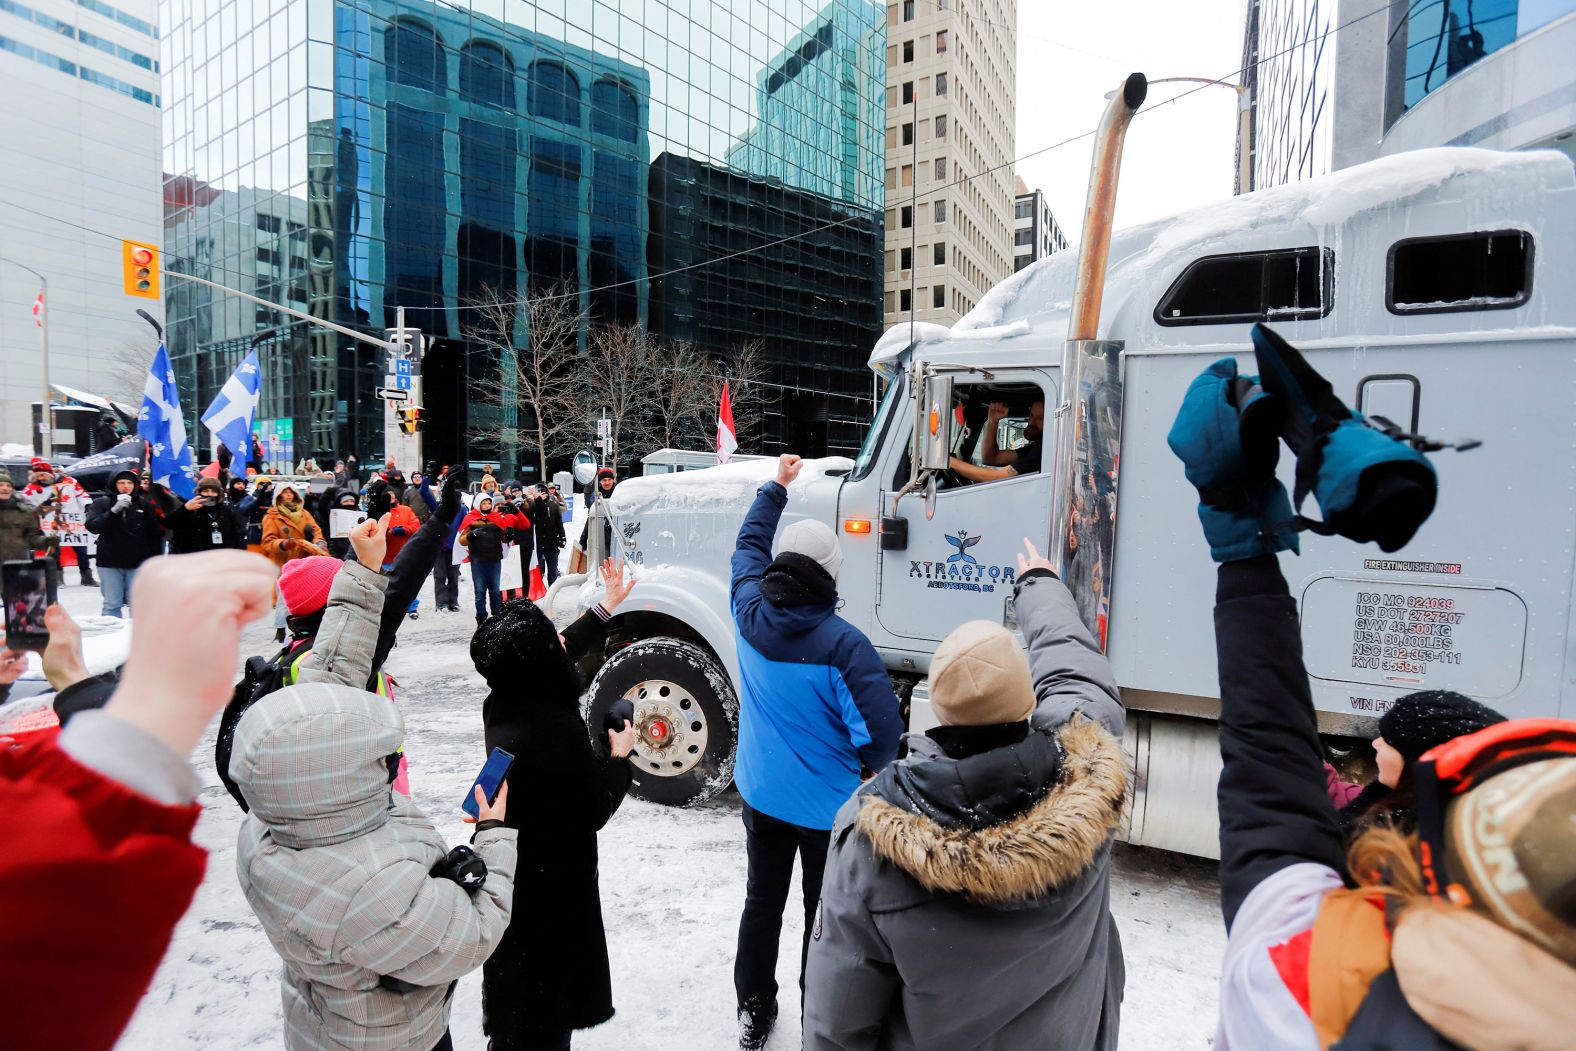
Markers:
{"x": 727, "y": 436}
{"x": 38, "y": 310}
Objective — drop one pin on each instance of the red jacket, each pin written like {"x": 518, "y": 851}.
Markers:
{"x": 93, "y": 877}
{"x": 403, "y": 524}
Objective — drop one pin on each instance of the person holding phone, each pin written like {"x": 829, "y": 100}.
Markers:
{"x": 289, "y": 532}
{"x": 128, "y": 534}
{"x": 205, "y": 522}
{"x": 550, "y": 975}
{"x": 483, "y": 534}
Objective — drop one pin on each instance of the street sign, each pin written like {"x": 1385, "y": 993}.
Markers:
{"x": 393, "y": 394}
{"x": 402, "y": 374}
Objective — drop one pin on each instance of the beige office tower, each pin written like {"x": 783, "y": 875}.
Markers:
{"x": 951, "y": 110}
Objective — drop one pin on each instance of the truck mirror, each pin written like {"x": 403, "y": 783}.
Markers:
{"x": 584, "y": 467}
{"x": 933, "y": 433}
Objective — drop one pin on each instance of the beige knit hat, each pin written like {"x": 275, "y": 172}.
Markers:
{"x": 980, "y": 676}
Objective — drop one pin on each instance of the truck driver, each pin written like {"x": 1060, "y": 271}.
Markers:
{"x": 1005, "y": 463}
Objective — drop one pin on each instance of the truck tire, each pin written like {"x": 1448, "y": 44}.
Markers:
{"x": 686, "y": 718}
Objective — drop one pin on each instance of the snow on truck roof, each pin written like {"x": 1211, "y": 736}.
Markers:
{"x": 1040, "y": 295}
{"x": 727, "y": 487}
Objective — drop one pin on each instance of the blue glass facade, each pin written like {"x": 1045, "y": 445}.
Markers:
{"x": 350, "y": 157}
{"x": 1433, "y": 40}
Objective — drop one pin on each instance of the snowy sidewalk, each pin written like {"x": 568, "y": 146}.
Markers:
{"x": 672, "y": 885}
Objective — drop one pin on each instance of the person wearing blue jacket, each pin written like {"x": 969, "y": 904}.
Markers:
{"x": 817, "y": 715}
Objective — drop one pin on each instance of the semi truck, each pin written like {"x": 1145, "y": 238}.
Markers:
{"x": 1433, "y": 289}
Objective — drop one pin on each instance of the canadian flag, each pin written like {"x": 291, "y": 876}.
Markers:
{"x": 727, "y": 436}
{"x": 38, "y": 310}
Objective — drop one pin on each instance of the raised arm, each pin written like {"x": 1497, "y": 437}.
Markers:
{"x": 343, "y": 649}
{"x": 753, "y": 551}
{"x": 1071, "y": 675}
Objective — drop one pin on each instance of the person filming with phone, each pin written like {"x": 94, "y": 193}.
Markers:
{"x": 550, "y": 975}
{"x": 205, "y": 522}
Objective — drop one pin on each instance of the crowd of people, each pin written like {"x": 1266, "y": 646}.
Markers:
{"x": 955, "y": 882}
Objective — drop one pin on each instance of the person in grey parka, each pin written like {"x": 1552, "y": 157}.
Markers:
{"x": 966, "y": 903}
{"x": 341, "y": 872}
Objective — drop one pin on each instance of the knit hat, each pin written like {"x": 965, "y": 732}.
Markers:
{"x": 1428, "y": 718}
{"x": 41, "y": 464}
{"x": 304, "y": 583}
{"x": 1510, "y": 840}
{"x": 814, "y": 540}
{"x": 520, "y": 644}
{"x": 209, "y": 483}
{"x": 980, "y": 677}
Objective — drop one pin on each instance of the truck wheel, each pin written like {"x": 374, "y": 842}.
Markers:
{"x": 686, "y": 718}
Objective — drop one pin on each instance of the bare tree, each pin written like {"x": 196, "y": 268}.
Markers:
{"x": 531, "y": 401}
{"x": 123, "y": 372}
{"x": 745, "y": 372}
{"x": 682, "y": 392}
{"x": 618, "y": 373}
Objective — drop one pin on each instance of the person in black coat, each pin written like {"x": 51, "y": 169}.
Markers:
{"x": 204, "y": 522}
{"x": 549, "y": 975}
{"x": 547, "y": 514}
{"x": 128, "y": 534}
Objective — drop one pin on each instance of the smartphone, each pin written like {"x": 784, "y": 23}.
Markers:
{"x": 491, "y": 778}
{"x": 28, "y": 589}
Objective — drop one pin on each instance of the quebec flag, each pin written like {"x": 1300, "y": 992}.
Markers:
{"x": 230, "y": 415}
{"x": 161, "y": 425}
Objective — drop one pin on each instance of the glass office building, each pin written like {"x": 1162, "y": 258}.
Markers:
{"x": 350, "y": 157}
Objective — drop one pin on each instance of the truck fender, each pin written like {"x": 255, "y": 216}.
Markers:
{"x": 699, "y": 601}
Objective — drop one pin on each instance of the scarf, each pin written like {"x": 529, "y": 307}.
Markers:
{"x": 797, "y": 580}
{"x": 292, "y": 512}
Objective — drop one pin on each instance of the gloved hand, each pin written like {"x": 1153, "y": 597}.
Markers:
{"x": 622, "y": 712}
{"x": 462, "y": 865}
{"x": 1225, "y": 436}
{"x": 122, "y": 501}
{"x": 449, "y": 502}
{"x": 1369, "y": 486}
{"x": 378, "y": 499}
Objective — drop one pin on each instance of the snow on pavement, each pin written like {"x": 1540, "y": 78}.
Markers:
{"x": 672, "y": 884}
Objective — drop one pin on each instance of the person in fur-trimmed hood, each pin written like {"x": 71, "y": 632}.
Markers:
{"x": 966, "y": 901}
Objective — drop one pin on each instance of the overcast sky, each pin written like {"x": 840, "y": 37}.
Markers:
{"x": 1070, "y": 52}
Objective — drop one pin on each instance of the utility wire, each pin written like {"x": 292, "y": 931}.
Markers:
{"x": 825, "y": 226}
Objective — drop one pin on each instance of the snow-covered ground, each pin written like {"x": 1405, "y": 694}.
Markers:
{"x": 672, "y": 886}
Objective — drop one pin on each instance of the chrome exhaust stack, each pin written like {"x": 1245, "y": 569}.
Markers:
{"x": 1087, "y": 450}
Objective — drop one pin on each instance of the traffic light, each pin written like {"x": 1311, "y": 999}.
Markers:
{"x": 410, "y": 419}
{"x": 140, "y": 269}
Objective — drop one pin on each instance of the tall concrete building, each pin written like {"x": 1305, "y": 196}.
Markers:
{"x": 1339, "y": 82}
{"x": 81, "y": 133}
{"x": 951, "y": 107}
{"x": 1035, "y": 231}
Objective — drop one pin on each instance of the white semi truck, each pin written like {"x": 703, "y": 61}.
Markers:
{"x": 1435, "y": 290}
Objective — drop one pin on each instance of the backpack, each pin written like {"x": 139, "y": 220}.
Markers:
{"x": 260, "y": 677}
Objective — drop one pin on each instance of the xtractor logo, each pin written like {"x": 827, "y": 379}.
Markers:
{"x": 961, "y": 571}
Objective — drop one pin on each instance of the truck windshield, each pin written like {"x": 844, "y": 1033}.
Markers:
{"x": 878, "y": 428}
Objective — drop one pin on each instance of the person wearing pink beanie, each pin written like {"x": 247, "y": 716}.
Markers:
{"x": 304, "y": 583}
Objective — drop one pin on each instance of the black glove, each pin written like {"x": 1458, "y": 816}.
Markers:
{"x": 378, "y": 501}
{"x": 449, "y": 503}
{"x": 430, "y": 471}
{"x": 462, "y": 865}
{"x": 309, "y": 533}
{"x": 623, "y": 711}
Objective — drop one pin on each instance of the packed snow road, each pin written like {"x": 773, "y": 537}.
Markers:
{"x": 672, "y": 885}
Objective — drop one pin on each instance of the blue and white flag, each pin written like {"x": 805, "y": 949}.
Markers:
{"x": 161, "y": 425}
{"x": 230, "y": 415}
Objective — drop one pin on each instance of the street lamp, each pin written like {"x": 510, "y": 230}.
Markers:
{"x": 45, "y": 422}
{"x": 1244, "y": 123}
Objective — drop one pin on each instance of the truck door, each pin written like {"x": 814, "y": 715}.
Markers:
{"x": 960, "y": 562}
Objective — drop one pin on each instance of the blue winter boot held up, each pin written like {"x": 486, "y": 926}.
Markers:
{"x": 1225, "y": 434}
{"x": 1368, "y": 484}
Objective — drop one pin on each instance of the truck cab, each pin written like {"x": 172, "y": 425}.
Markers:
{"x": 1432, "y": 289}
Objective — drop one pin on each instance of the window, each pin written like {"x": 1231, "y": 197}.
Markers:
{"x": 941, "y": 125}
{"x": 891, "y": 180}
{"x": 1023, "y": 237}
{"x": 908, "y": 51}
{"x": 415, "y": 56}
{"x": 908, "y": 92}
{"x": 1477, "y": 271}
{"x": 908, "y": 134}
{"x": 905, "y": 217}
{"x": 615, "y": 111}
{"x": 939, "y": 253}
{"x": 938, "y": 296}
{"x": 554, "y": 93}
{"x": 908, "y": 175}
{"x": 1023, "y": 210}
{"x": 941, "y": 211}
{"x": 941, "y": 169}
{"x": 908, "y": 10}
{"x": 487, "y": 75}
{"x": 941, "y": 42}
{"x": 1259, "y": 286}
{"x": 905, "y": 259}
{"x": 905, "y": 301}
{"x": 941, "y": 84}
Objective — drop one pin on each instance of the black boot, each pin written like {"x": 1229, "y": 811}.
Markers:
{"x": 279, "y": 634}
{"x": 755, "y": 1024}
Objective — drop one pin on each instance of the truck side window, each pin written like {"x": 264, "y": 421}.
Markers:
{"x": 1491, "y": 270}
{"x": 1002, "y": 433}
{"x": 1256, "y": 286}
